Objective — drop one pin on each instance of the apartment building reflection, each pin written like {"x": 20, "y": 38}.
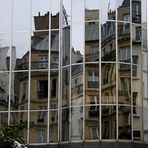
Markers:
{"x": 90, "y": 84}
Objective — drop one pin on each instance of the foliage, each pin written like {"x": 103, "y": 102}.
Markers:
{"x": 11, "y": 133}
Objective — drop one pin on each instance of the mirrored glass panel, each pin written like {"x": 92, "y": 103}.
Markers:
{"x": 124, "y": 47}
{"x": 92, "y": 122}
{"x": 77, "y": 85}
{"x": 137, "y": 121}
{"x": 55, "y": 11}
{"x": 21, "y": 15}
{"x": 66, "y": 15}
{"x": 19, "y": 91}
{"x": 4, "y": 91}
{"x": 54, "y": 89}
{"x": 39, "y": 90}
{"x": 108, "y": 41}
{"x": 91, "y": 41}
{"x": 124, "y": 84}
{"x": 66, "y": 45}
{"x": 39, "y": 50}
{"x": 123, "y": 8}
{"x": 20, "y": 51}
{"x": 76, "y": 123}
{"x": 19, "y": 120}
{"x": 92, "y": 84}
{"x": 40, "y": 14}
{"x": 6, "y": 16}
{"x": 3, "y": 119}
{"x": 5, "y": 44}
{"x": 65, "y": 124}
{"x": 38, "y": 127}
{"x": 65, "y": 86}
{"x": 54, "y": 50}
{"x": 136, "y": 11}
{"x": 77, "y": 50}
{"x": 53, "y": 127}
{"x": 108, "y": 122}
{"x": 92, "y": 10}
{"x": 108, "y": 84}
{"x": 108, "y": 10}
{"x": 124, "y": 122}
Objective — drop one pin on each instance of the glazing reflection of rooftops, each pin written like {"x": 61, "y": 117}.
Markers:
{"x": 78, "y": 74}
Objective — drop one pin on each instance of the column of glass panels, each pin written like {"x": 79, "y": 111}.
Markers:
{"x": 144, "y": 66}
{"x": 5, "y": 51}
{"x": 77, "y": 71}
{"x": 92, "y": 98}
{"x": 39, "y": 71}
{"x": 108, "y": 70}
{"x": 124, "y": 69}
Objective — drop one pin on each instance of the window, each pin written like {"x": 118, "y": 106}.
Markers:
{"x": 43, "y": 61}
{"x": 94, "y": 99}
{"x": 42, "y": 89}
{"x": 138, "y": 33}
{"x": 93, "y": 79}
{"x": 134, "y": 66}
{"x": 53, "y": 88}
{"x": 135, "y": 95}
{"x": 125, "y": 54}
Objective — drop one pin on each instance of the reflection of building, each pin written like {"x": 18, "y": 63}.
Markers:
{"x": 70, "y": 94}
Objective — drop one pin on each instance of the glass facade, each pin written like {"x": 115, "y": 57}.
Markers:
{"x": 74, "y": 70}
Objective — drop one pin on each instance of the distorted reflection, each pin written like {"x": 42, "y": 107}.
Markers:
{"x": 38, "y": 127}
{"x": 5, "y": 47}
{"x": 91, "y": 41}
{"x": 108, "y": 83}
{"x": 40, "y": 14}
{"x": 92, "y": 10}
{"x": 124, "y": 84}
{"x": 76, "y": 123}
{"x": 65, "y": 86}
{"x": 77, "y": 29}
{"x": 108, "y": 122}
{"x": 54, "y": 92}
{"x": 53, "y": 127}
{"x": 65, "y": 124}
{"x": 124, "y": 122}
{"x": 108, "y": 41}
{"x": 4, "y": 91}
{"x": 136, "y": 11}
{"x": 39, "y": 90}
{"x": 19, "y": 91}
{"x": 92, "y": 84}
{"x": 123, "y": 7}
{"x": 92, "y": 122}
{"x": 77, "y": 85}
{"x": 124, "y": 47}
{"x": 108, "y": 11}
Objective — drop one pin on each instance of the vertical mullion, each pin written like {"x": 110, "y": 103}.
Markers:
{"x": 29, "y": 75}
{"x": 131, "y": 70}
{"x": 84, "y": 71}
{"x": 11, "y": 39}
{"x": 70, "y": 75}
{"x": 49, "y": 57}
{"x": 117, "y": 77}
{"x": 60, "y": 71}
{"x": 100, "y": 67}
